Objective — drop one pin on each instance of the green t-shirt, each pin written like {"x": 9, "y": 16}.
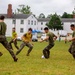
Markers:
{"x": 51, "y": 36}
{"x": 2, "y": 28}
{"x": 73, "y": 35}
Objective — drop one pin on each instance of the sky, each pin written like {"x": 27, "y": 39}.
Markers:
{"x": 40, "y": 6}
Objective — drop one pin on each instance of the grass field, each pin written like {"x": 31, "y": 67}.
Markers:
{"x": 59, "y": 63}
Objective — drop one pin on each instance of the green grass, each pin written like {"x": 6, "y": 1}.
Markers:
{"x": 59, "y": 63}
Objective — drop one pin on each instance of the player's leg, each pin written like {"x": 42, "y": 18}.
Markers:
{"x": 46, "y": 51}
{"x": 7, "y": 46}
{"x": 21, "y": 47}
{"x": 73, "y": 50}
{"x": 1, "y": 53}
{"x": 10, "y": 43}
{"x": 30, "y": 48}
{"x": 15, "y": 44}
{"x": 70, "y": 49}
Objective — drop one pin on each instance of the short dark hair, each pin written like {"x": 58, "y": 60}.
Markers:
{"x": 46, "y": 28}
{"x": 72, "y": 25}
{"x": 30, "y": 29}
{"x": 13, "y": 28}
{"x": 2, "y": 17}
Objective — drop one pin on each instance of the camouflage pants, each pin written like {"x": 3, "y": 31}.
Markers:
{"x": 72, "y": 49}
{"x": 46, "y": 51}
{"x": 23, "y": 45}
{"x": 4, "y": 42}
{"x": 15, "y": 44}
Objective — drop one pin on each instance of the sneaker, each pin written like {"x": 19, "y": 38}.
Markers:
{"x": 27, "y": 54}
{"x": 15, "y": 59}
{"x": 74, "y": 56}
{"x": 1, "y": 54}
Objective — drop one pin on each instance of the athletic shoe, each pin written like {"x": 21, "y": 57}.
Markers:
{"x": 15, "y": 59}
{"x": 1, "y": 54}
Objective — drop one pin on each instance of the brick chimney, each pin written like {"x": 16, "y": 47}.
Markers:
{"x": 9, "y": 11}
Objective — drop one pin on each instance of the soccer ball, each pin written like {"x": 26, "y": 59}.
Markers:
{"x": 42, "y": 57}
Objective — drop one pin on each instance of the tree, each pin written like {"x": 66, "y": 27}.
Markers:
{"x": 41, "y": 15}
{"x": 66, "y": 15}
{"x": 55, "y": 22}
{"x": 24, "y": 9}
{"x": 49, "y": 16}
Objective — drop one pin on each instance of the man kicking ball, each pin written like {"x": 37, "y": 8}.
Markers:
{"x": 51, "y": 38}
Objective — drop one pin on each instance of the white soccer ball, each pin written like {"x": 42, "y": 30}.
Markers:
{"x": 42, "y": 57}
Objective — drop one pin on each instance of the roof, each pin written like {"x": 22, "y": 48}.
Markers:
{"x": 25, "y": 16}
{"x": 18, "y": 16}
{"x": 62, "y": 19}
{"x": 68, "y": 19}
{"x": 43, "y": 19}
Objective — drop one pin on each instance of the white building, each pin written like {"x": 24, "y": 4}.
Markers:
{"x": 24, "y": 21}
{"x": 66, "y": 23}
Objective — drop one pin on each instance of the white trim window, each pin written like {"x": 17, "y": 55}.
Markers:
{"x": 34, "y": 22}
{"x": 41, "y": 28}
{"x": 31, "y": 22}
{"x": 14, "y": 21}
{"x": 41, "y": 23}
{"x": 28, "y": 22}
{"x": 22, "y": 22}
{"x": 21, "y": 30}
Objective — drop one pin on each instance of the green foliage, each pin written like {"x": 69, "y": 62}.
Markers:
{"x": 55, "y": 22}
{"x": 66, "y": 15}
{"x": 41, "y": 15}
{"x": 49, "y": 16}
{"x": 24, "y": 9}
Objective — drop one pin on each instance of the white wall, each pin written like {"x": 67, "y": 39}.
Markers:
{"x": 66, "y": 26}
{"x": 19, "y": 25}
{"x": 41, "y": 26}
{"x": 38, "y": 25}
{"x": 9, "y": 26}
{"x": 32, "y": 18}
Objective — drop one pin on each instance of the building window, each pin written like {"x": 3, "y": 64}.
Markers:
{"x": 22, "y": 21}
{"x": 21, "y": 30}
{"x": 32, "y": 16}
{"x": 31, "y": 22}
{"x": 41, "y": 23}
{"x": 13, "y": 21}
{"x": 41, "y": 28}
{"x": 34, "y": 22}
{"x": 28, "y": 22}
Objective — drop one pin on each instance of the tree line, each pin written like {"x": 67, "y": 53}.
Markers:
{"x": 54, "y": 22}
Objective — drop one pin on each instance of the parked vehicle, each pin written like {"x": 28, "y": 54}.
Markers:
{"x": 43, "y": 36}
{"x": 34, "y": 37}
{"x": 19, "y": 38}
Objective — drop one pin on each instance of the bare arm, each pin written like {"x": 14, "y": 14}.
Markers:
{"x": 72, "y": 39}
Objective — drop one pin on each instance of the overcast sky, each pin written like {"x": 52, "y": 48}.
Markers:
{"x": 40, "y": 6}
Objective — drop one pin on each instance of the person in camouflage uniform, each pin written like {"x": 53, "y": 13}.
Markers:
{"x": 3, "y": 39}
{"x": 72, "y": 47}
{"x": 50, "y": 37}
{"x": 13, "y": 39}
{"x": 27, "y": 40}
